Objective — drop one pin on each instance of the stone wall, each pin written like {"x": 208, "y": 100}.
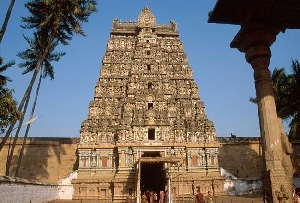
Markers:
{"x": 45, "y": 159}
{"x": 52, "y": 159}
{"x": 16, "y": 191}
{"x": 241, "y": 157}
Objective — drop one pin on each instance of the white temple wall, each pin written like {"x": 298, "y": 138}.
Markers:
{"x": 65, "y": 187}
{"x": 13, "y": 192}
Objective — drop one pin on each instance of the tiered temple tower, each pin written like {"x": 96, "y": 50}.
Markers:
{"x": 146, "y": 127}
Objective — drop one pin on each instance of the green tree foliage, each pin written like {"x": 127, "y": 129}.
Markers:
{"x": 54, "y": 22}
{"x": 8, "y": 109}
{"x": 287, "y": 96}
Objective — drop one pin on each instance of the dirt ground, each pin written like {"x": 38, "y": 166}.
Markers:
{"x": 238, "y": 199}
{"x": 218, "y": 199}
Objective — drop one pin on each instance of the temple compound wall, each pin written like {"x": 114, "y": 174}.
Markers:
{"x": 21, "y": 190}
{"x": 46, "y": 159}
{"x": 53, "y": 160}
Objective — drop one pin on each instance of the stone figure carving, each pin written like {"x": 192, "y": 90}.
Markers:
{"x": 146, "y": 18}
{"x": 282, "y": 195}
{"x": 110, "y": 44}
{"x": 115, "y": 20}
{"x": 84, "y": 138}
{"x": 287, "y": 150}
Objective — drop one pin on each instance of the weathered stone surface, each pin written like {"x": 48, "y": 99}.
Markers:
{"x": 45, "y": 159}
{"x": 240, "y": 153}
{"x": 146, "y": 104}
{"x": 255, "y": 39}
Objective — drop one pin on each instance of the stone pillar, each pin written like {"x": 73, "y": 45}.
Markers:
{"x": 255, "y": 42}
{"x": 122, "y": 159}
{"x": 138, "y": 182}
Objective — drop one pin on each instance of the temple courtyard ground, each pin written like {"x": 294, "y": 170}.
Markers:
{"x": 218, "y": 199}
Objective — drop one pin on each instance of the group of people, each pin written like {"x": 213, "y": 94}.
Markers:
{"x": 201, "y": 198}
{"x": 162, "y": 197}
{"x": 296, "y": 194}
{"x": 153, "y": 197}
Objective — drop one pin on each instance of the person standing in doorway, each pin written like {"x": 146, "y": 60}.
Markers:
{"x": 161, "y": 196}
{"x": 199, "y": 197}
{"x": 209, "y": 197}
{"x": 155, "y": 197}
{"x": 166, "y": 196}
{"x": 151, "y": 196}
{"x": 144, "y": 198}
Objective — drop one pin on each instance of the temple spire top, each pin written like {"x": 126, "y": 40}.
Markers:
{"x": 146, "y": 18}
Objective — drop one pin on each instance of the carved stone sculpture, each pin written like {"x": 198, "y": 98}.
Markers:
{"x": 146, "y": 111}
{"x": 287, "y": 150}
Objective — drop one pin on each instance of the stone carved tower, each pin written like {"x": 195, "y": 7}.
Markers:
{"x": 146, "y": 120}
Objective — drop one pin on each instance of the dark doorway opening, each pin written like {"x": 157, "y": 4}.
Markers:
{"x": 151, "y": 134}
{"x": 153, "y": 177}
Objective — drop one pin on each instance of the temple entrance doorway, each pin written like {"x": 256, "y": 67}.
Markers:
{"x": 153, "y": 174}
{"x": 153, "y": 177}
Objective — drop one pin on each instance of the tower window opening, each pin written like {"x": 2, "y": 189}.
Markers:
{"x": 147, "y": 41}
{"x": 149, "y": 67}
{"x": 150, "y": 106}
{"x": 148, "y": 52}
{"x": 150, "y": 85}
{"x": 151, "y": 134}
{"x": 130, "y": 191}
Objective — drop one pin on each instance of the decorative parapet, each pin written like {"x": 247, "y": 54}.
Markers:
{"x": 125, "y": 26}
{"x": 235, "y": 140}
{"x": 17, "y": 180}
{"x": 146, "y": 20}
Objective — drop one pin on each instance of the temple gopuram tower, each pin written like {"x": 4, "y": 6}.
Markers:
{"x": 146, "y": 128}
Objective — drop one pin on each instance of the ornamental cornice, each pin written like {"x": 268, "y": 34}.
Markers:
{"x": 145, "y": 20}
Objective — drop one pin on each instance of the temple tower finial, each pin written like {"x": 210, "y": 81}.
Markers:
{"x": 146, "y": 18}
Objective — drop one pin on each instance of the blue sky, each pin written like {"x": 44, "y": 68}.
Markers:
{"x": 224, "y": 78}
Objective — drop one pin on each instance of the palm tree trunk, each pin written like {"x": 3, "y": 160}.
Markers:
{"x": 28, "y": 91}
{"x": 26, "y": 98}
{"x": 28, "y": 126}
{"x": 10, "y": 155}
{"x": 26, "y": 95}
{"x": 7, "y": 16}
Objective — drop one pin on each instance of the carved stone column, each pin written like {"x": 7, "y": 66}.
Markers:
{"x": 122, "y": 158}
{"x": 255, "y": 41}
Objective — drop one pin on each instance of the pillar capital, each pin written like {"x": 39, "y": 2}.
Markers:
{"x": 255, "y": 35}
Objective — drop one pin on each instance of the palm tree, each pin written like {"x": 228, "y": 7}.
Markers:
{"x": 286, "y": 92}
{"x": 31, "y": 55}
{"x": 8, "y": 109}
{"x": 55, "y": 22}
{"x": 7, "y": 16}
